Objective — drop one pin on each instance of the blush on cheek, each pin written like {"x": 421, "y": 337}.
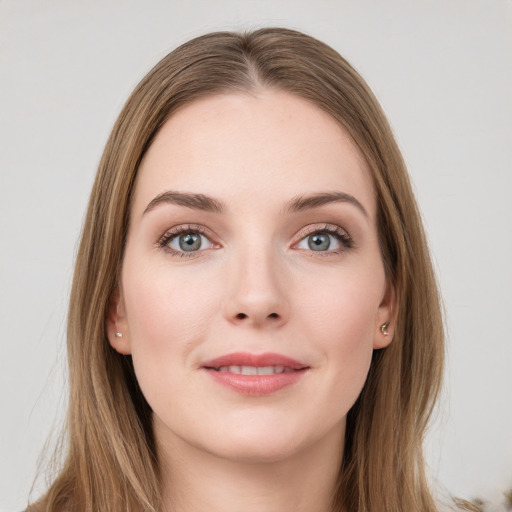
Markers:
{"x": 345, "y": 335}
{"x": 342, "y": 321}
{"x": 168, "y": 317}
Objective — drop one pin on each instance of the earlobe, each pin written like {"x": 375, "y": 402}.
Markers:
{"x": 116, "y": 324}
{"x": 384, "y": 328}
{"x": 386, "y": 319}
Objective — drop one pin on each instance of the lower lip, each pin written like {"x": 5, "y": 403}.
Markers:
{"x": 256, "y": 385}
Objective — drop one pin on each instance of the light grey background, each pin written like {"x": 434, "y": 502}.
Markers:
{"x": 442, "y": 70}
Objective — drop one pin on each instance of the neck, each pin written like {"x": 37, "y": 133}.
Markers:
{"x": 194, "y": 480}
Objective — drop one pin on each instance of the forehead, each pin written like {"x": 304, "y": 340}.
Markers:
{"x": 267, "y": 147}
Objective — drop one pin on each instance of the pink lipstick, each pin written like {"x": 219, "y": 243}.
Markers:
{"x": 255, "y": 374}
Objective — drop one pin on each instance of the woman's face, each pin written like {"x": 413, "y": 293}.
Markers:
{"x": 252, "y": 289}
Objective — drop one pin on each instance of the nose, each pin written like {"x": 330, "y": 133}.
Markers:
{"x": 257, "y": 292}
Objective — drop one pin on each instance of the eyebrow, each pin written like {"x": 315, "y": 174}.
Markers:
{"x": 188, "y": 199}
{"x": 301, "y": 203}
{"x": 210, "y": 204}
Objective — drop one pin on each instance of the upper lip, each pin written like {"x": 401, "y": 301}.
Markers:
{"x": 259, "y": 360}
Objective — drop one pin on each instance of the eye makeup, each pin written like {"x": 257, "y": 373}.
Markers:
{"x": 321, "y": 240}
{"x": 315, "y": 242}
{"x": 187, "y": 229}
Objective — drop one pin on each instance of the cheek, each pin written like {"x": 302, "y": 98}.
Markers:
{"x": 341, "y": 320}
{"x": 168, "y": 315}
{"x": 343, "y": 306}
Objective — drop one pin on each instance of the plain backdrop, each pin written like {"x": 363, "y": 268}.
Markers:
{"x": 442, "y": 70}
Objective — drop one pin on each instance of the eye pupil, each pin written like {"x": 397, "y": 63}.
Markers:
{"x": 319, "y": 242}
{"x": 190, "y": 242}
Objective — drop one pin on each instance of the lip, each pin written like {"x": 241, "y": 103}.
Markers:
{"x": 247, "y": 359}
{"x": 255, "y": 385}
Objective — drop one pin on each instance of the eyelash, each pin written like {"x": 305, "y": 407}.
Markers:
{"x": 170, "y": 235}
{"x": 330, "y": 229}
{"x": 340, "y": 234}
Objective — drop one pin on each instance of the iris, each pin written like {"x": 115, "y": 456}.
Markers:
{"x": 319, "y": 242}
{"x": 190, "y": 242}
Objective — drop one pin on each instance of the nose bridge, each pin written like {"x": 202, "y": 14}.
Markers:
{"x": 257, "y": 292}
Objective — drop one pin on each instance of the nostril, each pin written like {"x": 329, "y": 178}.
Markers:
{"x": 242, "y": 316}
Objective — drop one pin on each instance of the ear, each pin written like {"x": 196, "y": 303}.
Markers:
{"x": 386, "y": 318}
{"x": 117, "y": 325}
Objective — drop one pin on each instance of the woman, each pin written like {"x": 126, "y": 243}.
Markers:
{"x": 254, "y": 320}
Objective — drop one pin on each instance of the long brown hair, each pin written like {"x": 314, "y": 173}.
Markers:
{"x": 111, "y": 463}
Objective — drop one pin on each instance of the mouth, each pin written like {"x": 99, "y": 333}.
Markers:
{"x": 255, "y": 374}
{"x": 254, "y": 370}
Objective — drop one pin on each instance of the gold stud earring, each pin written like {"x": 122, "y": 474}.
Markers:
{"x": 384, "y": 328}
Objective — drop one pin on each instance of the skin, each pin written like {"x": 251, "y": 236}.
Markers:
{"x": 256, "y": 286}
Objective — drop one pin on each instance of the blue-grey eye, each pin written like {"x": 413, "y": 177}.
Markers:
{"x": 189, "y": 242}
{"x": 319, "y": 241}
{"x": 326, "y": 240}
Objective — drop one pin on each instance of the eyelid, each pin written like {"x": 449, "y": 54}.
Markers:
{"x": 175, "y": 231}
{"x": 179, "y": 229}
{"x": 340, "y": 233}
{"x": 319, "y": 227}
{"x": 332, "y": 229}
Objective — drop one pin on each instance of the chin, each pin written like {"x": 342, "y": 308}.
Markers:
{"x": 271, "y": 442}
{"x": 262, "y": 450}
